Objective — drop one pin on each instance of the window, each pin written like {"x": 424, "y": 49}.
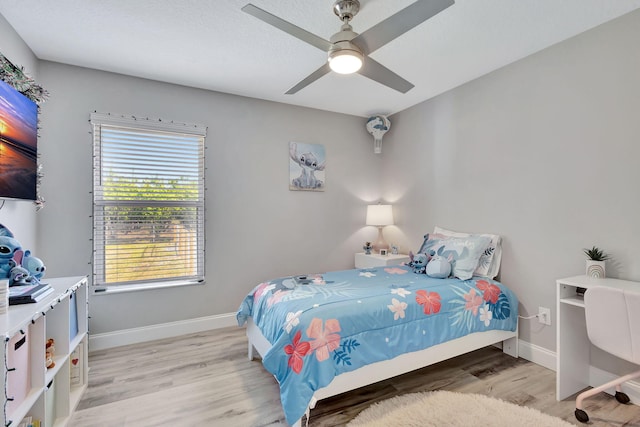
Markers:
{"x": 148, "y": 203}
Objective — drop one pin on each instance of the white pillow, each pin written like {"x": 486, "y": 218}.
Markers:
{"x": 489, "y": 263}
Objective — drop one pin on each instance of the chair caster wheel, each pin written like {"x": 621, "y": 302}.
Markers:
{"x": 581, "y": 416}
{"x": 622, "y": 397}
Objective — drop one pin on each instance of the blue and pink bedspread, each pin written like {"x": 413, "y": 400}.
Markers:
{"x": 323, "y": 325}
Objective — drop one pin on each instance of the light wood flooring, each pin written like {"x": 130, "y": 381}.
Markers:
{"x": 205, "y": 379}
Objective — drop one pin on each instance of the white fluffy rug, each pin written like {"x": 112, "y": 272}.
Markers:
{"x": 445, "y": 408}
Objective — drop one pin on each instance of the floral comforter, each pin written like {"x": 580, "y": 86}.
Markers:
{"x": 323, "y": 325}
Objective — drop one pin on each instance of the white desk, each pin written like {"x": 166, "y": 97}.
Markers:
{"x": 573, "y": 348}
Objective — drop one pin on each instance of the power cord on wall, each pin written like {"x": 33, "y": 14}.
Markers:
{"x": 543, "y": 315}
{"x": 528, "y": 317}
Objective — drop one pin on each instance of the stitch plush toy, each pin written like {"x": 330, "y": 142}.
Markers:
{"x": 418, "y": 262}
{"x": 15, "y": 264}
{"x": 34, "y": 266}
{"x": 18, "y": 275}
{"x": 438, "y": 267}
{"x": 8, "y": 247}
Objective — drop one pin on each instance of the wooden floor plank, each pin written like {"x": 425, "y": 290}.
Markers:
{"x": 206, "y": 379}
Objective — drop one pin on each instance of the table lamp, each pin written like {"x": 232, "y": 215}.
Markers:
{"x": 379, "y": 216}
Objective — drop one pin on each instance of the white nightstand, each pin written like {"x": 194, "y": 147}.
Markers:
{"x": 363, "y": 260}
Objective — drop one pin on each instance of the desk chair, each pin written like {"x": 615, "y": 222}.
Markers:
{"x": 613, "y": 324}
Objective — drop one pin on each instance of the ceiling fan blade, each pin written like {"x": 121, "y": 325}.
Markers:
{"x": 381, "y": 74}
{"x": 399, "y": 23}
{"x": 287, "y": 27}
{"x": 310, "y": 79}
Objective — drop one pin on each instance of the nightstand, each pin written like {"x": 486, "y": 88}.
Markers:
{"x": 363, "y": 260}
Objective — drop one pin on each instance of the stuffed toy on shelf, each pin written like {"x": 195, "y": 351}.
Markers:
{"x": 19, "y": 266}
{"x": 49, "y": 354}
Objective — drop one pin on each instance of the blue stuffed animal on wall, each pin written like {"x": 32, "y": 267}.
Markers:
{"x": 8, "y": 248}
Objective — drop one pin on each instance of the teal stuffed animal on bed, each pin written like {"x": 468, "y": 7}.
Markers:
{"x": 438, "y": 267}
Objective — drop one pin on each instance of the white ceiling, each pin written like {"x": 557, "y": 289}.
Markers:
{"x": 212, "y": 44}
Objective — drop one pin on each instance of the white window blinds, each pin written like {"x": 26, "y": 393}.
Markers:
{"x": 148, "y": 201}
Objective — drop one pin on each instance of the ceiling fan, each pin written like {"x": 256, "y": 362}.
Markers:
{"x": 348, "y": 51}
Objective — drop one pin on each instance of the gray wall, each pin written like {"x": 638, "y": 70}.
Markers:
{"x": 256, "y": 229}
{"x": 19, "y": 216}
{"x": 544, "y": 152}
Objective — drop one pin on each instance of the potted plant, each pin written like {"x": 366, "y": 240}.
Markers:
{"x": 596, "y": 262}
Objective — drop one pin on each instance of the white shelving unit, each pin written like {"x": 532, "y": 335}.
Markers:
{"x": 49, "y": 395}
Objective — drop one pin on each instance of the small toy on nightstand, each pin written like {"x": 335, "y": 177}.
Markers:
{"x": 367, "y": 248}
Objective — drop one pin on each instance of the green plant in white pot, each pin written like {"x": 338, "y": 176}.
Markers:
{"x": 596, "y": 262}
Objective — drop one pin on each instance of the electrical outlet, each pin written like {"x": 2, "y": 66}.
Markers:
{"x": 544, "y": 315}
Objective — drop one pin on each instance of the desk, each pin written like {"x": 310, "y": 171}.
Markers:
{"x": 573, "y": 348}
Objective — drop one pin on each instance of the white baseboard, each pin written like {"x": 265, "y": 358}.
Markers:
{"x": 160, "y": 331}
{"x": 536, "y": 354}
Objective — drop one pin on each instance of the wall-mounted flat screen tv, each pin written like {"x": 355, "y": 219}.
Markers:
{"x": 18, "y": 144}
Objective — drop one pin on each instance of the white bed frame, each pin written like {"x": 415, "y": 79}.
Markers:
{"x": 402, "y": 364}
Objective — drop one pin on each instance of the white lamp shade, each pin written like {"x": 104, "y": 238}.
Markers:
{"x": 379, "y": 215}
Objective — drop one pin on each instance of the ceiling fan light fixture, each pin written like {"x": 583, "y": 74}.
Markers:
{"x": 345, "y": 56}
{"x": 346, "y": 61}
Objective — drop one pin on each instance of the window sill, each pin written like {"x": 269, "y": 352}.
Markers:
{"x": 107, "y": 290}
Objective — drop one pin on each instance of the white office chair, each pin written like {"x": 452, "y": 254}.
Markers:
{"x": 613, "y": 324}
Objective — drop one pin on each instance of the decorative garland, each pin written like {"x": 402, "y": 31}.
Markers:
{"x": 24, "y": 84}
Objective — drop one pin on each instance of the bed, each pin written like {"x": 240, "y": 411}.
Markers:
{"x": 324, "y": 334}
